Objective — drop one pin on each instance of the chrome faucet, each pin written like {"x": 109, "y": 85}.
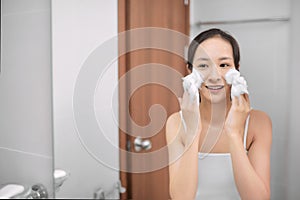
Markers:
{"x": 16, "y": 191}
{"x": 38, "y": 191}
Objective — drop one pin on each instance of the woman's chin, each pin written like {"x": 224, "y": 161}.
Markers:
{"x": 217, "y": 99}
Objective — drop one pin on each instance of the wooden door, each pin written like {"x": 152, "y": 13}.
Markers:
{"x": 137, "y": 15}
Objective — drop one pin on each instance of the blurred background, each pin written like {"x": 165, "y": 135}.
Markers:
{"x": 45, "y": 46}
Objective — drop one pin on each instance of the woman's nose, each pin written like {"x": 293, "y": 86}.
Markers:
{"x": 214, "y": 75}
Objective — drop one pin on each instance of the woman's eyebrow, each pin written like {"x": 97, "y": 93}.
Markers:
{"x": 208, "y": 59}
{"x": 225, "y": 58}
{"x": 203, "y": 58}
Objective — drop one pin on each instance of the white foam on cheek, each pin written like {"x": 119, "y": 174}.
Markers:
{"x": 239, "y": 84}
{"x": 231, "y": 75}
{"x": 191, "y": 84}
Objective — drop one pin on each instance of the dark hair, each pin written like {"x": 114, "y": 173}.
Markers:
{"x": 209, "y": 34}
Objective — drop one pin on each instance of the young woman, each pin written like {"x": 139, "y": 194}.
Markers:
{"x": 218, "y": 148}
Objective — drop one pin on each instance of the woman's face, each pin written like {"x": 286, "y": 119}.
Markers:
{"x": 213, "y": 58}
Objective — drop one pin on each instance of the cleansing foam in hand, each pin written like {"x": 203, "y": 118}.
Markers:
{"x": 239, "y": 84}
{"x": 191, "y": 84}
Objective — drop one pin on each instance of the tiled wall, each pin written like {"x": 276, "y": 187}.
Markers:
{"x": 26, "y": 151}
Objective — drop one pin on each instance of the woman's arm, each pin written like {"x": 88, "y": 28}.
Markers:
{"x": 252, "y": 171}
{"x": 183, "y": 160}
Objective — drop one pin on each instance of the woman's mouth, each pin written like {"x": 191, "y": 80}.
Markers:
{"x": 214, "y": 88}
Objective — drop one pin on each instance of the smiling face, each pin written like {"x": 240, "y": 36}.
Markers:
{"x": 213, "y": 58}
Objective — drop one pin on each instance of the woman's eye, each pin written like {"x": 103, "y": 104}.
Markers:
{"x": 224, "y": 65}
{"x": 202, "y": 66}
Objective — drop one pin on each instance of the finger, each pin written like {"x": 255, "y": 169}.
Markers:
{"x": 185, "y": 99}
{"x": 189, "y": 99}
{"x": 247, "y": 99}
{"x": 235, "y": 101}
{"x": 195, "y": 101}
{"x": 244, "y": 103}
{"x": 241, "y": 100}
{"x": 179, "y": 101}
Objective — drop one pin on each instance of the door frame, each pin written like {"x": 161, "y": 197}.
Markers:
{"x": 122, "y": 62}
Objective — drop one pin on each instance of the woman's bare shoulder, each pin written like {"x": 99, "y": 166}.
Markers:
{"x": 174, "y": 118}
{"x": 260, "y": 123}
{"x": 260, "y": 116}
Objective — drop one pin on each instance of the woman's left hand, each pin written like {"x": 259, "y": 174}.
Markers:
{"x": 237, "y": 116}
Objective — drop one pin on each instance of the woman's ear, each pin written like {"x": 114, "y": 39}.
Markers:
{"x": 188, "y": 69}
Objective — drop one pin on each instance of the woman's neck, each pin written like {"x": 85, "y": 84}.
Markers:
{"x": 214, "y": 113}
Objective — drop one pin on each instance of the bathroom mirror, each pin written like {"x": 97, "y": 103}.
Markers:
{"x": 26, "y": 148}
{"x": 79, "y": 30}
{"x": 263, "y": 31}
{"x": 0, "y": 35}
{"x": 267, "y": 34}
{"x": 59, "y": 94}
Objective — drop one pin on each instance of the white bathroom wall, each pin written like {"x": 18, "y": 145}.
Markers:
{"x": 293, "y": 164}
{"x": 217, "y": 10}
{"x": 25, "y": 94}
{"x": 265, "y": 57}
{"x": 79, "y": 27}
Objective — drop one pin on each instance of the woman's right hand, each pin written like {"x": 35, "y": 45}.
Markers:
{"x": 190, "y": 117}
{"x": 183, "y": 148}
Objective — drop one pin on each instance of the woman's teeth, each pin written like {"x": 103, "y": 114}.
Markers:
{"x": 218, "y": 87}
